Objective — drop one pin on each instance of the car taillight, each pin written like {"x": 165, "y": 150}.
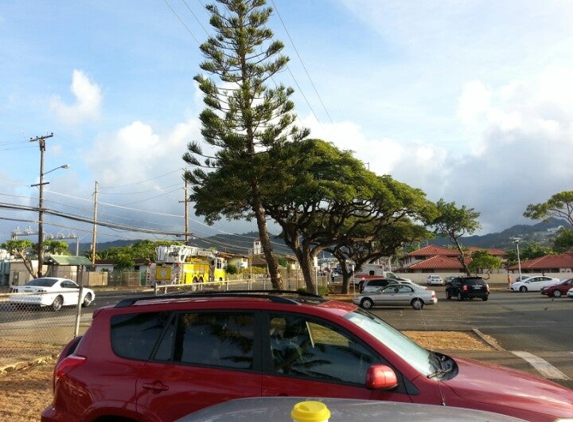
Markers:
{"x": 66, "y": 365}
{"x": 465, "y": 288}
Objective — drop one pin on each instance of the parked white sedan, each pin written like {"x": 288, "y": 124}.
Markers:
{"x": 396, "y": 295}
{"x": 435, "y": 279}
{"x": 533, "y": 284}
{"x": 54, "y": 292}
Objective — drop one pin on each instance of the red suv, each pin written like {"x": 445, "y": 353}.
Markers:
{"x": 158, "y": 358}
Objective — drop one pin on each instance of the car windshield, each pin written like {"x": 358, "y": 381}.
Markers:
{"x": 421, "y": 359}
{"x": 42, "y": 282}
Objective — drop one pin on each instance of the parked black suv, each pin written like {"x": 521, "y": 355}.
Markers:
{"x": 467, "y": 288}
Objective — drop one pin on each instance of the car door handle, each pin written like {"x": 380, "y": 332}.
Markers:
{"x": 156, "y": 387}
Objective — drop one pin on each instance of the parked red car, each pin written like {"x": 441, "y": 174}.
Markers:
{"x": 158, "y": 358}
{"x": 558, "y": 290}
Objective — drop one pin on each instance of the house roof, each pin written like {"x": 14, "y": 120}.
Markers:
{"x": 433, "y": 250}
{"x": 546, "y": 262}
{"x": 69, "y": 261}
{"x": 437, "y": 263}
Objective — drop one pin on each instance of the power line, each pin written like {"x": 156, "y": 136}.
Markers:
{"x": 303, "y": 65}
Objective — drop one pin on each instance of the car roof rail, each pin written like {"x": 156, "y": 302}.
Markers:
{"x": 276, "y": 296}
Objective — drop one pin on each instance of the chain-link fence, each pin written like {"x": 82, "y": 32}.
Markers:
{"x": 29, "y": 333}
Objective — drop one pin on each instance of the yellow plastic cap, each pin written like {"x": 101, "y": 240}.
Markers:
{"x": 310, "y": 411}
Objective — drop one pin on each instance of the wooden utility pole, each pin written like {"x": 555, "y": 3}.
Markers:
{"x": 186, "y": 213}
{"x": 94, "y": 233}
{"x": 42, "y": 143}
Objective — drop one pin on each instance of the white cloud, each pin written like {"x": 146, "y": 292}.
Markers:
{"x": 474, "y": 102}
{"x": 136, "y": 152}
{"x": 87, "y": 104}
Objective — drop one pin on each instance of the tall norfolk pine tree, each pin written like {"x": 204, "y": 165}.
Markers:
{"x": 244, "y": 117}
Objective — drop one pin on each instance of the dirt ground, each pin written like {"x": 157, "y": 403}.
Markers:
{"x": 26, "y": 392}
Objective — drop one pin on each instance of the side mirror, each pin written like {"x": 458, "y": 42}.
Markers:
{"x": 381, "y": 377}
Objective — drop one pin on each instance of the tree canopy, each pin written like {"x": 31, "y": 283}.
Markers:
{"x": 560, "y": 205}
{"x": 324, "y": 198}
{"x": 453, "y": 223}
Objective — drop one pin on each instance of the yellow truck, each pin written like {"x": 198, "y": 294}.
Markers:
{"x": 179, "y": 264}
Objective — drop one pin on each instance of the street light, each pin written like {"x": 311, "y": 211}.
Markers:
{"x": 516, "y": 241}
{"x": 41, "y": 212}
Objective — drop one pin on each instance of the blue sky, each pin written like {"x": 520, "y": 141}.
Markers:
{"x": 470, "y": 101}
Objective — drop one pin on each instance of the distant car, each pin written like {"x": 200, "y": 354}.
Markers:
{"x": 53, "y": 292}
{"x": 396, "y": 295}
{"x": 559, "y": 289}
{"x": 467, "y": 288}
{"x": 434, "y": 279}
{"x": 264, "y": 409}
{"x": 449, "y": 278}
{"x": 533, "y": 284}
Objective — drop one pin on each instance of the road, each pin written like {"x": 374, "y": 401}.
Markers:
{"x": 530, "y": 326}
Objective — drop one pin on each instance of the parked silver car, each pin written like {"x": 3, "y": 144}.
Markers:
{"x": 396, "y": 295}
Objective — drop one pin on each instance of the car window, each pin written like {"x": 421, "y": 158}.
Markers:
{"x": 42, "y": 282}
{"x": 313, "y": 349}
{"x": 223, "y": 339}
{"x": 133, "y": 336}
{"x": 405, "y": 289}
{"x": 69, "y": 285}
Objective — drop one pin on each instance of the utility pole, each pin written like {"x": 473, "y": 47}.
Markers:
{"x": 42, "y": 143}
{"x": 186, "y": 213}
{"x": 94, "y": 234}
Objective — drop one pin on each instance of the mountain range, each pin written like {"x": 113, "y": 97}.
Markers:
{"x": 542, "y": 233}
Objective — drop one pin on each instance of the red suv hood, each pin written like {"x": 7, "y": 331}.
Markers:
{"x": 490, "y": 385}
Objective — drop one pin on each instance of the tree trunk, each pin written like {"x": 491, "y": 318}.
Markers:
{"x": 272, "y": 262}
{"x": 307, "y": 268}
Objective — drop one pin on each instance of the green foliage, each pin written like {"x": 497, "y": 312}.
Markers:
{"x": 56, "y": 247}
{"x": 324, "y": 198}
{"x": 483, "y": 261}
{"x": 564, "y": 240}
{"x": 527, "y": 252}
{"x": 18, "y": 245}
{"x": 559, "y": 205}
{"x": 232, "y": 269}
{"x": 454, "y": 222}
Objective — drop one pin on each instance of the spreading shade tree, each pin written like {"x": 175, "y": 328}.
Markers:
{"x": 325, "y": 199}
{"x": 454, "y": 223}
{"x": 560, "y": 206}
{"x": 246, "y": 114}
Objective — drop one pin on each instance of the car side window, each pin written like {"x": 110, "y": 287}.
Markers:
{"x": 405, "y": 289}
{"x": 306, "y": 348}
{"x": 134, "y": 336}
{"x": 223, "y": 339}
